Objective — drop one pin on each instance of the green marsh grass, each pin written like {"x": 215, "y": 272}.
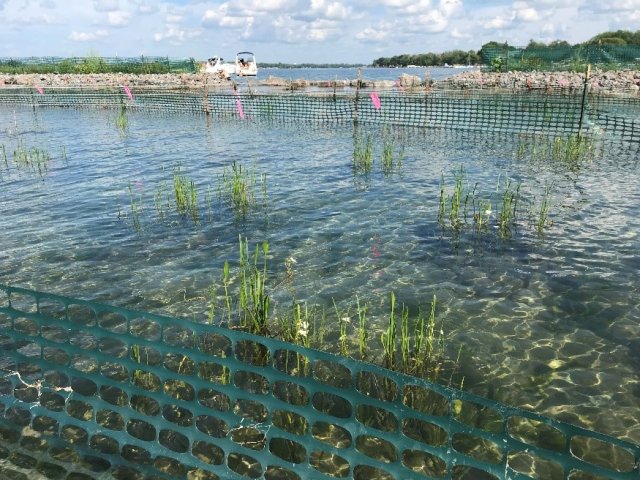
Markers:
{"x": 237, "y": 188}
{"x": 121, "y": 120}
{"x": 392, "y": 158}
{"x": 570, "y": 151}
{"x": 410, "y": 343}
{"x": 508, "y": 207}
{"x": 362, "y": 153}
{"x": 185, "y": 195}
{"x": 136, "y": 208}
{"x": 32, "y": 158}
{"x": 454, "y": 206}
{"x": 254, "y": 301}
{"x": 498, "y": 213}
{"x": 542, "y": 218}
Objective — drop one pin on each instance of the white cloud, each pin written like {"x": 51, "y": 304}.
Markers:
{"x": 610, "y": 7}
{"x": 39, "y": 19}
{"x": 87, "y": 36}
{"x": 290, "y": 30}
{"x": 106, "y": 5}
{"x": 499, "y": 22}
{"x": 449, "y": 7}
{"x": 222, "y": 18}
{"x": 456, "y": 33}
{"x": 146, "y": 8}
{"x": 373, "y": 35}
{"x": 332, "y": 10}
{"x": 433, "y": 21}
{"x": 175, "y": 36}
{"x": 118, "y": 18}
{"x": 173, "y": 18}
{"x": 400, "y": 4}
{"x": 252, "y": 7}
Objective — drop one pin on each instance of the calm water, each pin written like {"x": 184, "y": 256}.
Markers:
{"x": 550, "y": 322}
{"x": 368, "y": 73}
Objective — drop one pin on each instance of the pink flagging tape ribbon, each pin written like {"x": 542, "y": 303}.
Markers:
{"x": 375, "y": 99}
{"x": 239, "y": 105}
{"x": 128, "y": 92}
{"x": 40, "y": 90}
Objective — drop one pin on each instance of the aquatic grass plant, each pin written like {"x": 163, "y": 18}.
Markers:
{"x": 121, "y": 120}
{"x": 411, "y": 344}
{"x": 414, "y": 346}
{"x": 362, "y": 153}
{"x": 136, "y": 208}
{"x": 237, "y": 189}
{"x": 499, "y": 212}
{"x": 32, "y": 158}
{"x": 253, "y": 301}
{"x": 542, "y": 219}
{"x": 454, "y": 206}
{"x": 185, "y": 195}
{"x": 508, "y": 207}
{"x": 391, "y": 160}
{"x": 570, "y": 150}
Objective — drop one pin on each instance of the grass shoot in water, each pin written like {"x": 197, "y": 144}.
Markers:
{"x": 236, "y": 189}
{"x": 412, "y": 345}
{"x": 185, "y": 195}
{"x": 542, "y": 220}
{"x": 136, "y": 209}
{"x": 390, "y": 160}
{"x": 362, "y": 153}
{"x": 121, "y": 119}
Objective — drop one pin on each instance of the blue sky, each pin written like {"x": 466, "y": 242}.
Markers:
{"x": 317, "y": 31}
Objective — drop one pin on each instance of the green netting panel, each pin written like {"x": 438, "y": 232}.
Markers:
{"x": 561, "y": 57}
{"x": 142, "y": 64}
{"x": 549, "y": 111}
{"x": 88, "y": 389}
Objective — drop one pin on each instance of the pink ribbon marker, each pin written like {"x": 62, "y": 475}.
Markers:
{"x": 128, "y": 92}
{"x": 238, "y": 104}
{"x": 375, "y": 99}
{"x": 40, "y": 90}
{"x": 239, "y": 108}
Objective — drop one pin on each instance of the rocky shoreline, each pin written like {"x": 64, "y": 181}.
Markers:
{"x": 606, "y": 81}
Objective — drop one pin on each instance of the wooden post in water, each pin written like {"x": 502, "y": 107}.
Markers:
{"x": 355, "y": 110}
{"x": 427, "y": 87}
{"x": 206, "y": 95}
{"x": 584, "y": 99}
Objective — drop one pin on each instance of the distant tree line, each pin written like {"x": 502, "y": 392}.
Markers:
{"x": 460, "y": 57}
{"x": 454, "y": 57}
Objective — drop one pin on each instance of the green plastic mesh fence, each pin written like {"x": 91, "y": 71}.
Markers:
{"x": 93, "y": 391}
{"x": 548, "y": 111}
{"x": 564, "y": 58}
{"x": 97, "y": 64}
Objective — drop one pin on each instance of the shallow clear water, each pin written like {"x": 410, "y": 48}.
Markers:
{"x": 550, "y": 322}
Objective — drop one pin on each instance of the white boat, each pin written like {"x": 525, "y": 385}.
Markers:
{"x": 216, "y": 65}
{"x": 246, "y": 65}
